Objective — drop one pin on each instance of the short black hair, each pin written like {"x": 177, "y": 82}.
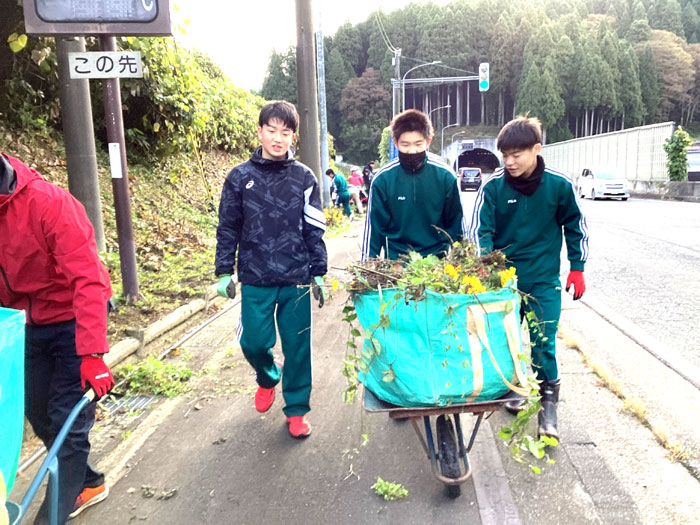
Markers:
{"x": 280, "y": 110}
{"x": 371, "y": 162}
{"x": 521, "y": 133}
{"x": 330, "y": 172}
{"x": 412, "y": 120}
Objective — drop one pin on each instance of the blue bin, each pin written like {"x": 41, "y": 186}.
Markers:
{"x": 11, "y": 391}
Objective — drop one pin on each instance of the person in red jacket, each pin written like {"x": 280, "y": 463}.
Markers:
{"x": 49, "y": 268}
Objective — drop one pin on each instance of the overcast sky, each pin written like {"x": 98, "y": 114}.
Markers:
{"x": 240, "y": 35}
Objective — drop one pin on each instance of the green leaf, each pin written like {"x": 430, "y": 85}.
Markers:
{"x": 376, "y": 345}
{"x": 355, "y": 332}
{"x": 505, "y": 433}
{"x": 550, "y": 441}
{"x": 17, "y": 42}
{"x": 388, "y": 375}
{"x": 535, "y": 469}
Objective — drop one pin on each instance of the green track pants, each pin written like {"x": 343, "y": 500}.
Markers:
{"x": 291, "y": 307}
{"x": 544, "y": 300}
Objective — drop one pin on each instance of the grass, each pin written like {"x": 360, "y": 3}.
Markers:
{"x": 632, "y": 405}
{"x": 153, "y": 377}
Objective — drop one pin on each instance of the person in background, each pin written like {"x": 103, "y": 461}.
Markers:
{"x": 49, "y": 267}
{"x": 522, "y": 210}
{"x": 355, "y": 188}
{"x": 414, "y": 201}
{"x": 341, "y": 190}
{"x": 368, "y": 175}
{"x": 271, "y": 226}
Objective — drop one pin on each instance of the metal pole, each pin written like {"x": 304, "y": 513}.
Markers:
{"x": 307, "y": 92}
{"x": 454, "y": 135}
{"x": 120, "y": 179}
{"x": 325, "y": 188}
{"x": 79, "y": 136}
{"x": 442, "y": 138}
{"x": 403, "y": 83}
{"x": 397, "y": 71}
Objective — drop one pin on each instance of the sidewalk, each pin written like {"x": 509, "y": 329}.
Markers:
{"x": 228, "y": 464}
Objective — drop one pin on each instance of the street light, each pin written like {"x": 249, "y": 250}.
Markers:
{"x": 403, "y": 81}
{"x": 441, "y": 107}
{"x": 442, "y": 138}
{"x": 452, "y": 139}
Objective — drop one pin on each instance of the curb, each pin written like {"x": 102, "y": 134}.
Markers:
{"x": 131, "y": 345}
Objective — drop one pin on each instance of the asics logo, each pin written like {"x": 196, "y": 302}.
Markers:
{"x": 249, "y": 185}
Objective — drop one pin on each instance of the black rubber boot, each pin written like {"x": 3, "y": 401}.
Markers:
{"x": 547, "y": 418}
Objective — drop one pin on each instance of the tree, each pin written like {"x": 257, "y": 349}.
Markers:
{"x": 675, "y": 70}
{"x": 639, "y": 31}
{"x": 676, "y": 148}
{"x": 281, "y": 80}
{"x": 630, "y": 89}
{"x": 668, "y": 17}
{"x": 365, "y": 106}
{"x": 338, "y": 74}
{"x": 648, "y": 83}
{"x": 691, "y": 23}
{"x": 348, "y": 41}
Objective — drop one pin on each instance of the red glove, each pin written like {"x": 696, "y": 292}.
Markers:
{"x": 576, "y": 278}
{"x": 94, "y": 370}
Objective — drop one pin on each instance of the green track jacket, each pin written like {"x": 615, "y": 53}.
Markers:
{"x": 404, "y": 208}
{"x": 528, "y": 229}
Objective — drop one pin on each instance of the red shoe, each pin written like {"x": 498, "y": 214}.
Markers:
{"x": 89, "y": 496}
{"x": 299, "y": 427}
{"x": 264, "y": 397}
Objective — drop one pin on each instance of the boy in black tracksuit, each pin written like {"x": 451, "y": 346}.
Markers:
{"x": 522, "y": 210}
{"x": 414, "y": 202}
{"x": 270, "y": 216}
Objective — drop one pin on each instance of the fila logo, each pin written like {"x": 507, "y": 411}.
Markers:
{"x": 249, "y": 185}
{"x": 510, "y": 201}
{"x": 402, "y": 198}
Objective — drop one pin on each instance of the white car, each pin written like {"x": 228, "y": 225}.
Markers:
{"x": 603, "y": 184}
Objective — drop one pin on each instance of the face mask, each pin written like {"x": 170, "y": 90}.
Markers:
{"x": 412, "y": 162}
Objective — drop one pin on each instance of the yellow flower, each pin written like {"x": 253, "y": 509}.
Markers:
{"x": 506, "y": 275}
{"x": 473, "y": 284}
{"x": 451, "y": 271}
{"x": 335, "y": 285}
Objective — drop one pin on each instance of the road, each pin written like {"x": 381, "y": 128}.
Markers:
{"x": 644, "y": 265}
{"x": 210, "y": 458}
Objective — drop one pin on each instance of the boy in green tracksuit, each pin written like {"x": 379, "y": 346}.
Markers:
{"x": 414, "y": 202}
{"x": 341, "y": 191}
{"x": 522, "y": 210}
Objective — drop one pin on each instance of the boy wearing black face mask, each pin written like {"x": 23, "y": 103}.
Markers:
{"x": 414, "y": 202}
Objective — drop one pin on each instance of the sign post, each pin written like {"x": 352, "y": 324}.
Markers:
{"x": 107, "y": 19}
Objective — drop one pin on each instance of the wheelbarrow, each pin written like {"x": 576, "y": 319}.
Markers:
{"x": 48, "y": 467}
{"x": 448, "y": 453}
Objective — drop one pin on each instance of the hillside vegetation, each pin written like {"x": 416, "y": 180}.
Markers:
{"x": 186, "y": 126}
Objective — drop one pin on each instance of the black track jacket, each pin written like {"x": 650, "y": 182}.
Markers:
{"x": 270, "y": 215}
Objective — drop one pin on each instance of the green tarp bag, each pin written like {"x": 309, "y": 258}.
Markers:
{"x": 11, "y": 391}
{"x": 442, "y": 350}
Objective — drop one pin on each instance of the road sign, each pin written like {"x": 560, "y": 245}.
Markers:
{"x": 97, "y": 17}
{"x": 105, "y": 64}
{"x": 484, "y": 76}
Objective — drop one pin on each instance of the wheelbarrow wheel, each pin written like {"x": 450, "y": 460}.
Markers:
{"x": 447, "y": 449}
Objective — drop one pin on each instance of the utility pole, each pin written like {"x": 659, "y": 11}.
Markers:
{"x": 79, "y": 135}
{"x": 307, "y": 93}
{"x": 120, "y": 178}
{"x": 320, "y": 64}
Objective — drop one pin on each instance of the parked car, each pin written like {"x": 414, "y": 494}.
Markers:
{"x": 603, "y": 184}
{"x": 469, "y": 178}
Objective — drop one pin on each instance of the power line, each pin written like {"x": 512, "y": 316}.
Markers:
{"x": 383, "y": 32}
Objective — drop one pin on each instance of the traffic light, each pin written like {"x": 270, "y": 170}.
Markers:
{"x": 484, "y": 76}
